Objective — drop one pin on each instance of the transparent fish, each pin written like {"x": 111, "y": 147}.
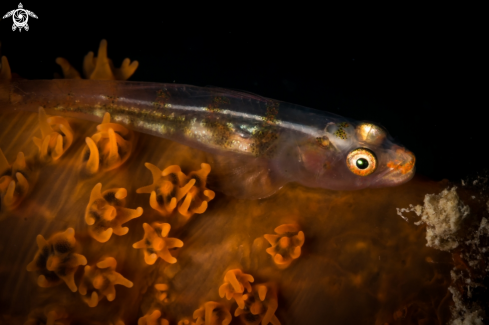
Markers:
{"x": 241, "y": 131}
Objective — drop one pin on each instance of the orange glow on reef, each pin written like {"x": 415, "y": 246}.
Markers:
{"x": 355, "y": 252}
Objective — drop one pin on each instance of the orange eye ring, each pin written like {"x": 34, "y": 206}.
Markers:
{"x": 361, "y": 162}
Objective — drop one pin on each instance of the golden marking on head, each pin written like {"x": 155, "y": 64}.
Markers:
{"x": 370, "y": 133}
{"x": 340, "y": 133}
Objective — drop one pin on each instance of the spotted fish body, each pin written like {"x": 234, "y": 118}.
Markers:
{"x": 240, "y": 131}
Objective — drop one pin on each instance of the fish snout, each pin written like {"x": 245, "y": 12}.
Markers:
{"x": 400, "y": 167}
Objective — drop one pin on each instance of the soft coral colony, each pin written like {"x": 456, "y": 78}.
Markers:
{"x": 137, "y": 203}
{"x": 62, "y": 261}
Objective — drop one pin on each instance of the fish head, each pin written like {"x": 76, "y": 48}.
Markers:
{"x": 354, "y": 155}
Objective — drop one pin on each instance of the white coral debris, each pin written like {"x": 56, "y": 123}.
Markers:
{"x": 461, "y": 314}
{"x": 443, "y": 214}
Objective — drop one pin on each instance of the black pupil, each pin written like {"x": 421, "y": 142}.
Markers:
{"x": 362, "y": 163}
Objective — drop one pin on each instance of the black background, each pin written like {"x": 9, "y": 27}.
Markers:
{"x": 420, "y": 72}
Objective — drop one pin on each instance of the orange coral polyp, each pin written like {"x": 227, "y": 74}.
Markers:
{"x": 98, "y": 68}
{"x": 14, "y": 185}
{"x": 199, "y": 195}
{"x": 153, "y": 317}
{"x": 212, "y": 313}
{"x": 100, "y": 280}
{"x": 235, "y": 283}
{"x": 162, "y": 289}
{"x": 5, "y": 73}
{"x": 168, "y": 188}
{"x": 56, "y": 137}
{"x": 49, "y": 315}
{"x": 286, "y": 246}
{"x": 156, "y": 243}
{"x": 172, "y": 189}
{"x": 105, "y": 213}
{"x": 56, "y": 260}
{"x": 109, "y": 148}
{"x": 260, "y": 306}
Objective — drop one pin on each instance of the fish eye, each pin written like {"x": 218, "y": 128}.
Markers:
{"x": 361, "y": 162}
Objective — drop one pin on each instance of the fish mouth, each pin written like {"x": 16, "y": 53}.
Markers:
{"x": 400, "y": 169}
{"x": 398, "y": 177}
{"x": 389, "y": 178}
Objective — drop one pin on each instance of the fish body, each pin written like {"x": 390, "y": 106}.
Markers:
{"x": 259, "y": 144}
